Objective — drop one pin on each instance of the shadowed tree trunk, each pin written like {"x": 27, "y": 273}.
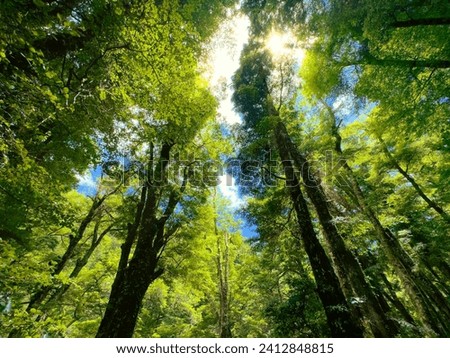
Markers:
{"x": 148, "y": 231}
{"x": 420, "y": 289}
{"x": 390, "y": 62}
{"x": 391, "y": 296}
{"x": 348, "y": 268}
{"x": 39, "y": 297}
{"x": 223, "y": 273}
{"x": 47, "y": 294}
{"x": 421, "y": 22}
{"x": 97, "y": 238}
{"x": 337, "y": 311}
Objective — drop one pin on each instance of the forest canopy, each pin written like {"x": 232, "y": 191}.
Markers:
{"x": 334, "y": 217}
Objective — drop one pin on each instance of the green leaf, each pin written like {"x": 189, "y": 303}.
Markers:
{"x": 39, "y": 3}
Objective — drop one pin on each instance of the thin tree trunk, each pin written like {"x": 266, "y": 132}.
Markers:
{"x": 415, "y": 282}
{"x": 440, "y": 281}
{"x": 369, "y": 59}
{"x": 39, "y": 297}
{"x": 431, "y": 203}
{"x": 49, "y": 292}
{"x": 57, "y": 293}
{"x": 444, "y": 267}
{"x": 223, "y": 274}
{"x": 392, "y": 297}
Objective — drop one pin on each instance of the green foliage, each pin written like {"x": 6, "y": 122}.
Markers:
{"x": 84, "y": 83}
{"x": 373, "y": 116}
{"x": 185, "y": 302}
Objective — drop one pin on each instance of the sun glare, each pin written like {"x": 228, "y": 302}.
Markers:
{"x": 278, "y": 43}
{"x": 284, "y": 44}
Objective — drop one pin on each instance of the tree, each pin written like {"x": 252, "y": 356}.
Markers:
{"x": 61, "y": 258}
{"x": 81, "y": 75}
{"x": 252, "y": 99}
{"x": 188, "y": 300}
{"x": 397, "y": 255}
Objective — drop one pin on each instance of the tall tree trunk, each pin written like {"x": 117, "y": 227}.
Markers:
{"x": 416, "y": 283}
{"x": 431, "y": 203}
{"x": 39, "y": 297}
{"x": 391, "y": 296}
{"x": 337, "y": 311}
{"x": 439, "y": 280}
{"x": 148, "y": 231}
{"x": 125, "y": 301}
{"x": 58, "y": 292}
{"x": 223, "y": 274}
{"x": 47, "y": 294}
{"x": 223, "y": 269}
{"x": 348, "y": 268}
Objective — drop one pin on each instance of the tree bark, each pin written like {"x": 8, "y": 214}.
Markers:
{"x": 348, "y": 268}
{"x": 416, "y": 283}
{"x": 337, "y": 311}
{"x": 392, "y": 297}
{"x": 148, "y": 231}
{"x": 46, "y": 294}
{"x": 431, "y": 203}
{"x": 125, "y": 301}
{"x": 40, "y": 296}
{"x": 58, "y": 292}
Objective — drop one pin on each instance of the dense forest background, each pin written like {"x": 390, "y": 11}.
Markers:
{"x": 341, "y": 157}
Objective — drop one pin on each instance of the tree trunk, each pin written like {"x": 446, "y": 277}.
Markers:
{"x": 148, "y": 231}
{"x": 392, "y": 297}
{"x": 348, "y": 269}
{"x": 337, "y": 311}
{"x": 47, "y": 294}
{"x": 369, "y": 59}
{"x": 223, "y": 274}
{"x": 416, "y": 283}
{"x": 39, "y": 297}
{"x": 431, "y": 203}
{"x": 58, "y": 292}
{"x": 126, "y": 299}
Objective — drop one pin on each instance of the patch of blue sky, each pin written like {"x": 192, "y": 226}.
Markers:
{"x": 249, "y": 231}
{"x": 88, "y": 181}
